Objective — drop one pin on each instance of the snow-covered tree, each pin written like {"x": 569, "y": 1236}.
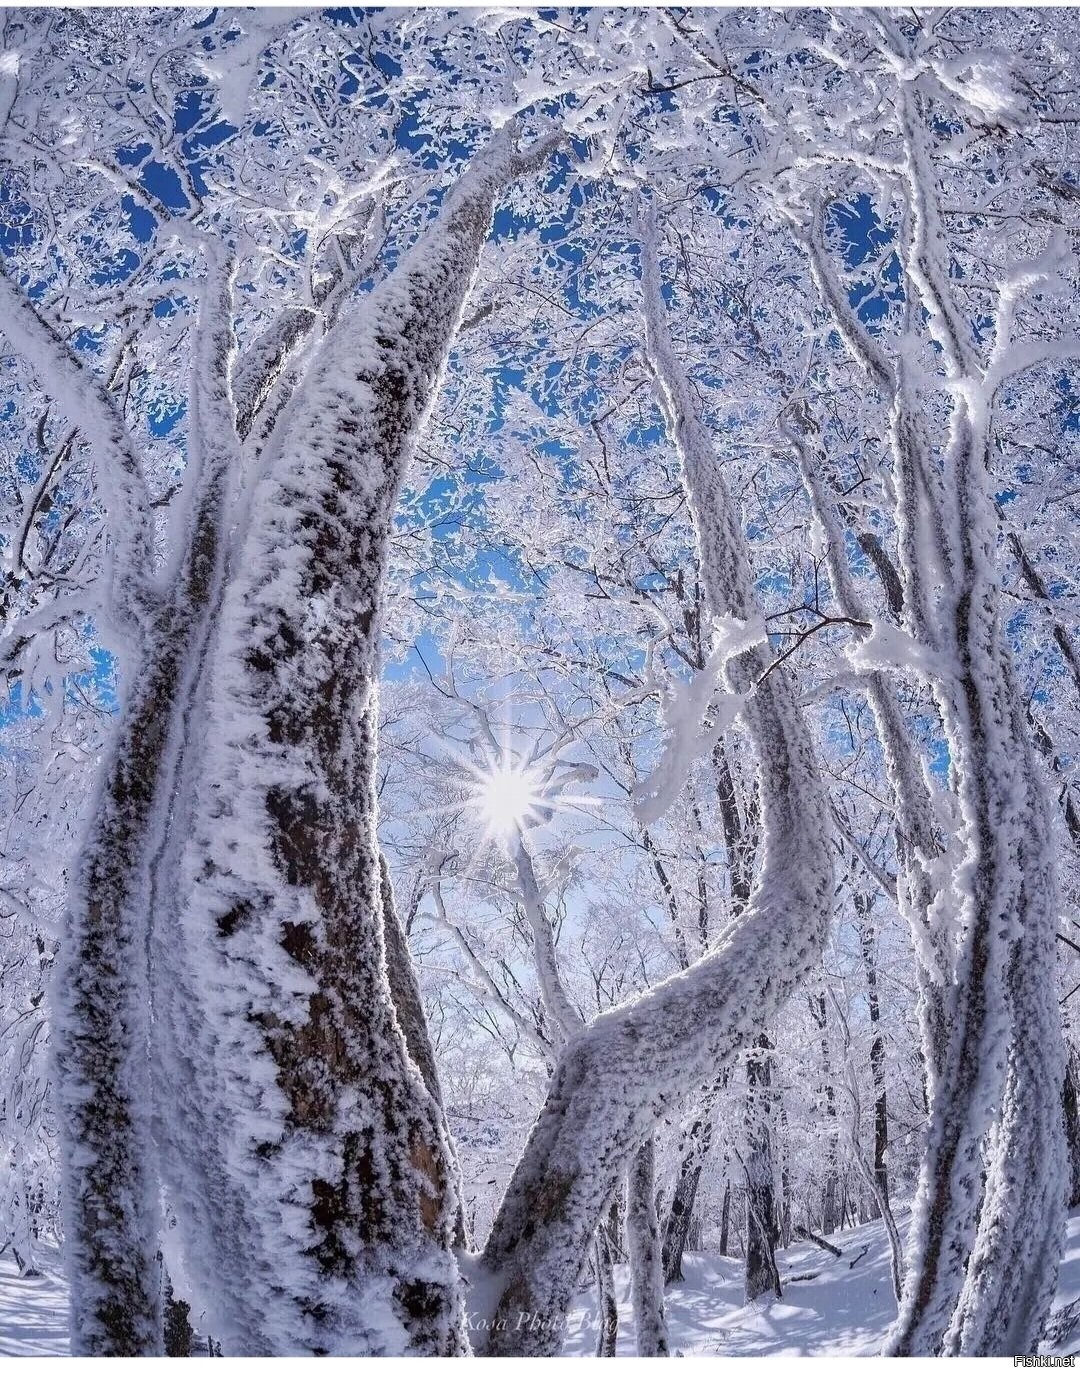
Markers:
{"x": 580, "y": 501}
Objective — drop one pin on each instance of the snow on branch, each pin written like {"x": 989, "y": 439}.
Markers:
{"x": 695, "y": 713}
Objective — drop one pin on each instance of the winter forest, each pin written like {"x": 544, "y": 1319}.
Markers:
{"x": 540, "y": 577}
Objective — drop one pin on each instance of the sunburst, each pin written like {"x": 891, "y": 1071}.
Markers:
{"x": 508, "y": 797}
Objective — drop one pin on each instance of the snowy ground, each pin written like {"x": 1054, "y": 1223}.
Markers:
{"x": 33, "y": 1311}
{"x": 844, "y": 1309}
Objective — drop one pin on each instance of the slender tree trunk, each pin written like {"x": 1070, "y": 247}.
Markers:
{"x": 866, "y": 1172}
{"x": 917, "y": 843}
{"x": 643, "y": 1243}
{"x": 783, "y": 1210}
{"x": 409, "y": 1010}
{"x": 563, "y": 1017}
{"x": 762, "y": 1236}
{"x": 692, "y": 1159}
{"x": 829, "y": 1207}
{"x": 877, "y": 1053}
{"x": 681, "y": 1212}
{"x": 1071, "y": 1110}
{"x": 725, "y": 1219}
{"x": 607, "y": 1333}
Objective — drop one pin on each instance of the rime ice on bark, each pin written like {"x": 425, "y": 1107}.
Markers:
{"x": 615, "y": 1078}
{"x": 985, "y": 1237}
{"x": 333, "y": 1141}
{"x": 643, "y": 1244}
{"x": 103, "y": 1051}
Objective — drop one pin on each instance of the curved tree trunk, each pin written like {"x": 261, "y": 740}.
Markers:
{"x": 615, "y": 1078}
{"x": 985, "y": 1244}
{"x": 1012, "y": 1271}
{"x": 986, "y": 1233}
{"x": 978, "y": 1049}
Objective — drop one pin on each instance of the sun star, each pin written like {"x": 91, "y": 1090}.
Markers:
{"x": 506, "y": 796}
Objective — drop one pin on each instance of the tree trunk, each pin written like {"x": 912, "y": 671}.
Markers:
{"x": 982, "y": 1043}
{"x": 725, "y": 1220}
{"x": 332, "y": 1139}
{"x": 20, "y": 1228}
{"x": 177, "y": 1322}
{"x": 409, "y": 1010}
{"x": 616, "y": 1077}
{"x": 1004, "y": 1062}
{"x": 762, "y": 1236}
{"x": 607, "y": 1332}
{"x": 866, "y": 1172}
{"x": 783, "y": 1209}
{"x": 986, "y": 1230}
{"x": 105, "y": 986}
{"x": 830, "y": 1215}
{"x": 1071, "y": 1111}
{"x": 643, "y": 1244}
{"x": 877, "y": 1053}
{"x": 681, "y": 1211}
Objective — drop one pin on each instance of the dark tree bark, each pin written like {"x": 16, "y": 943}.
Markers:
{"x": 801, "y": 1232}
{"x": 680, "y": 1217}
{"x": 725, "y": 1220}
{"x": 607, "y": 1332}
{"x": 409, "y": 1009}
{"x": 681, "y": 1212}
{"x": 762, "y": 1233}
{"x": 1071, "y": 1111}
{"x": 333, "y": 1140}
{"x": 177, "y": 1317}
{"x": 877, "y": 1049}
